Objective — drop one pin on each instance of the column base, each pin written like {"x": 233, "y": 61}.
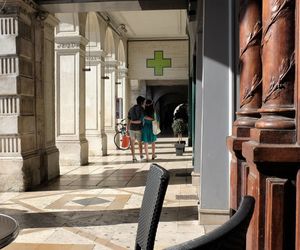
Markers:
{"x": 19, "y": 173}
{"x": 110, "y": 139}
{"x": 212, "y": 216}
{"x": 97, "y": 144}
{"x": 195, "y": 178}
{"x": 73, "y": 152}
{"x": 51, "y": 163}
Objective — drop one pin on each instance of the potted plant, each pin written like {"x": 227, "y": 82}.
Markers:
{"x": 179, "y": 127}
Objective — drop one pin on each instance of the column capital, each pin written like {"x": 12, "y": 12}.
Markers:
{"x": 110, "y": 64}
{"x": 70, "y": 43}
{"x": 51, "y": 21}
{"x": 93, "y": 57}
{"x": 122, "y": 71}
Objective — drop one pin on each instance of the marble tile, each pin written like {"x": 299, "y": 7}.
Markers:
{"x": 96, "y": 207}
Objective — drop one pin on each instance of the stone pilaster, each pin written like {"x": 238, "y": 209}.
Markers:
{"x": 19, "y": 156}
{"x": 122, "y": 91}
{"x": 110, "y": 100}
{"x": 95, "y": 133}
{"x": 45, "y": 95}
{"x": 70, "y": 99}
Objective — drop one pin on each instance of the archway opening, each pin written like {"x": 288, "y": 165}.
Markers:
{"x": 166, "y": 99}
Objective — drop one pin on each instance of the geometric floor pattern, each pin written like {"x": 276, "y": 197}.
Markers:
{"x": 95, "y": 207}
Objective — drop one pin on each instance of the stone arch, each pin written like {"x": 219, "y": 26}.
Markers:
{"x": 166, "y": 99}
{"x": 109, "y": 44}
{"x": 72, "y": 23}
{"x": 92, "y": 31}
{"x": 121, "y": 54}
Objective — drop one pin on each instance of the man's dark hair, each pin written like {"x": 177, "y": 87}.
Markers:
{"x": 140, "y": 100}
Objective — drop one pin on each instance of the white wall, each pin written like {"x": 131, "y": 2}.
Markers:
{"x": 140, "y": 51}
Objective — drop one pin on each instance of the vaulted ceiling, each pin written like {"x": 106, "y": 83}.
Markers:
{"x": 165, "y": 24}
{"x": 60, "y": 6}
{"x": 140, "y": 19}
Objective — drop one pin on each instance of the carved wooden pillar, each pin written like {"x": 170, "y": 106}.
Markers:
{"x": 298, "y": 212}
{"x": 297, "y": 90}
{"x": 278, "y": 68}
{"x": 250, "y": 94}
{"x": 271, "y": 152}
{"x": 276, "y": 212}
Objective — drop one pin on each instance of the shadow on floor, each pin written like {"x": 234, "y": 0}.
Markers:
{"x": 95, "y": 218}
{"x": 112, "y": 178}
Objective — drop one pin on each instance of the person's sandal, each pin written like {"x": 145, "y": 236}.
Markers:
{"x": 134, "y": 160}
{"x": 153, "y": 157}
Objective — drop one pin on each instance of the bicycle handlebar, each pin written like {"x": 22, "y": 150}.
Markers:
{"x": 122, "y": 122}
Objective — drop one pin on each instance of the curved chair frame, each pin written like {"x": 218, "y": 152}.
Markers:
{"x": 229, "y": 236}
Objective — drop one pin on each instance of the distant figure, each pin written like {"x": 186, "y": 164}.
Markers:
{"x": 181, "y": 112}
{"x": 134, "y": 125}
{"x": 147, "y": 130}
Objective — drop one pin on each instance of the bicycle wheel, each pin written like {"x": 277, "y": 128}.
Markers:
{"x": 118, "y": 140}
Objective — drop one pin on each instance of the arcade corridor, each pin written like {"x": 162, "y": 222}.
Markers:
{"x": 95, "y": 207}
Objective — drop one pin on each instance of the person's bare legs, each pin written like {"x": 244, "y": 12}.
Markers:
{"x": 153, "y": 151}
{"x": 132, "y": 141}
{"x": 146, "y": 151}
{"x": 141, "y": 149}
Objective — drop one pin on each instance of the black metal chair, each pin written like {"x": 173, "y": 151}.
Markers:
{"x": 155, "y": 190}
{"x": 230, "y": 236}
{"x": 9, "y": 230}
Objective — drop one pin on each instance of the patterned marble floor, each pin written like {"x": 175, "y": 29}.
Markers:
{"x": 96, "y": 206}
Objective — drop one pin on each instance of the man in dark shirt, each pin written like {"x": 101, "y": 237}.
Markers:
{"x": 135, "y": 124}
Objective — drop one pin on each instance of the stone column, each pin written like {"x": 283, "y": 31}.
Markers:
{"x": 70, "y": 99}
{"x": 19, "y": 156}
{"x": 94, "y": 107}
{"x": 45, "y": 95}
{"x": 110, "y": 101}
{"x": 250, "y": 29}
{"x": 122, "y": 90}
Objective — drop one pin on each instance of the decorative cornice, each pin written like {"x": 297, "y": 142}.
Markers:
{"x": 51, "y": 21}
{"x": 111, "y": 64}
{"x": 15, "y": 7}
{"x": 70, "y": 42}
{"x": 122, "y": 72}
{"x": 31, "y": 3}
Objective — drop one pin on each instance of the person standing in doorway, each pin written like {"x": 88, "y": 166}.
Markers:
{"x": 135, "y": 124}
{"x": 148, "y": 137}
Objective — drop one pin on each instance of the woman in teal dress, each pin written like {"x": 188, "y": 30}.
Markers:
{"x": 147, "y": 131}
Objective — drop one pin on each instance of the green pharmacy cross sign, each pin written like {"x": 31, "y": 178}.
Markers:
{"x": 159, "y": 63}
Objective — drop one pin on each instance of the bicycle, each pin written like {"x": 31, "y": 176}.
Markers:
{"x": 120, "y": 134}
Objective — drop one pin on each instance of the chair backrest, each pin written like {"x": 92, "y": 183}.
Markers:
{"x": 155, "y": 190}
{"x": 230, "y": 236}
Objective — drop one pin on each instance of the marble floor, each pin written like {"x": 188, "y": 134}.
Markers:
{"x": 96, "y": 206}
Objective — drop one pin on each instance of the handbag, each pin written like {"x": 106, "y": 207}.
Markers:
{"x": 155, "y": 126}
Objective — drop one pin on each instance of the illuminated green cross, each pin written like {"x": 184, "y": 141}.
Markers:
{"x": 159, "y": 63}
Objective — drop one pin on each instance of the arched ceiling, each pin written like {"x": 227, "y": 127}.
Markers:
{"x": 63, "y": 6}
{"x": 156, "y": 24}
